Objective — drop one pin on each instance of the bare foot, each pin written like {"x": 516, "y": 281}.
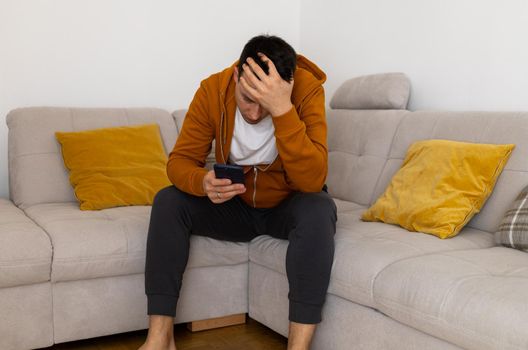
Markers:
{"x": 159, "y": 344}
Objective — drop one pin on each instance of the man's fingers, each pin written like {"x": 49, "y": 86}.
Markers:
{"x": 271, "y": 66}
{"x": 223, "y": 186}
{"x": 220, "y": 182}
{"x": 256, "y": 69}
{"x": 212, "y": 183}
{"x": 229, "y": 194}
{"x": 220, "y": 197}
{"x": 227, "y": 189}
{"x": 251, "y": 78}
{"x": 252, "y": 92}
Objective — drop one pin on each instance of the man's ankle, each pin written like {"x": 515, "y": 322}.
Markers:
{"x": 300, "y": 335}
{"x": 161, "y": 328}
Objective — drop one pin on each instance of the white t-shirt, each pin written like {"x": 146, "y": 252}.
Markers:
{"x": 253, "y": 143}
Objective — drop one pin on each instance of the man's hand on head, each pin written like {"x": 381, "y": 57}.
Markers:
{"x": 269, "y": 90}
{"x": 220, "y": 190}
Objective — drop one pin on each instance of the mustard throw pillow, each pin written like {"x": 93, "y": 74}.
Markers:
{"x": 440, "y": 186}
{"x": 114, "y": 167}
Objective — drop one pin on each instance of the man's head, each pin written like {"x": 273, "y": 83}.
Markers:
{"x": 283, "y": 57}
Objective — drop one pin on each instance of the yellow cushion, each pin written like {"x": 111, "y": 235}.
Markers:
{"x": 114, "y": 167}
{"x": 440, "y": 186}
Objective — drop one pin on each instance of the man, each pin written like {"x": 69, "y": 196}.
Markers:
{"x": 266, "y": 112}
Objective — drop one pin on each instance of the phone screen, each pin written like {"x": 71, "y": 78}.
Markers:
{"x": 227, "y": 171}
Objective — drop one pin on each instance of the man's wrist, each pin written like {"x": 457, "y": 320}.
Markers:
{"x": 281, "y": 110}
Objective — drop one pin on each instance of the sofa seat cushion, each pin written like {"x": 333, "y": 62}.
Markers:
{"x": 112, "y": 242}
{"x": 25, "y": 249}
{"x": 475, "y": 299}
{"x": 364, "y": 249}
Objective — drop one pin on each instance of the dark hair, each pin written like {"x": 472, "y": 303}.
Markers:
{"x": 276, "y": 49}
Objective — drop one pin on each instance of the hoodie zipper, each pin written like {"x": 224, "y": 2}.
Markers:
{"x": 221, "y": 131}
{"x": 222, "y": 137}
{"x": 255, "y": 170}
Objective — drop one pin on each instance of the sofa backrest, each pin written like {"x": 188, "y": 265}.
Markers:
{"x": 362, "y": 120}
{"x": 359, "y": 144}
{"x": 367, "y": 147}
{"x": 36, "y": 169}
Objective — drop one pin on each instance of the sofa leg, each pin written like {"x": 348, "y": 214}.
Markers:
{"x": 217, "y": 322}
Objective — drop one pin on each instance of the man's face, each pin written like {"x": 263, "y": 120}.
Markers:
{"x": 251, "y": 111}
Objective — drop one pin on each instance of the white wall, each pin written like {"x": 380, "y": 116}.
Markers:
{"x": 123, "y": 53}
{"x": 459, "y": 54}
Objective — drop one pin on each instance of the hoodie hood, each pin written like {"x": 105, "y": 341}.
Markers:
{"x": 307, "y": 78}
{"x": 309, "y": 66}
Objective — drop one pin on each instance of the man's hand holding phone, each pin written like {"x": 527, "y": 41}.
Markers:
{"x": 221, "y": 190}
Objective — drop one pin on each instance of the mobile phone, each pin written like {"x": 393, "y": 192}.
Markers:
{"x": 235, "y": 173}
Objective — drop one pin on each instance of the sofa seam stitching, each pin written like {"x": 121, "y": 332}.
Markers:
{"x": 34, "y": 262}
{"x": 92, "y": 258}
{"x": 386, "y": 158}
{"x": 359, "y": 155}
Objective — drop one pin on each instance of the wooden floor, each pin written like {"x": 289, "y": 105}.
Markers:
{"x": 251, "y": 335}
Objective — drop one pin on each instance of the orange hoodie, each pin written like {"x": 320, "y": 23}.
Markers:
{"x": 300, "y": 134}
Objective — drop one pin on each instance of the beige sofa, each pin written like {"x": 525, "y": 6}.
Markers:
{"x": 67, "y": 274}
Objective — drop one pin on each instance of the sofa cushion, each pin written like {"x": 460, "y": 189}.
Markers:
{"x": 375, "y": 91}
{"x": 513, "y": 230}
{"x": 118, "y": 166}
{"x": 112, "y": 242}
{"x": 440, "y": 186}
{"x": 36, "y": 170}
{"x": 475, "y": 299}
{"x": 364, "y": 249}
{"x": 25, "y": 249}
